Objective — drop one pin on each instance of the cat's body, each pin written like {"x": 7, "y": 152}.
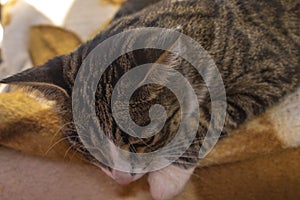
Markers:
{"x": 255, "y": 46}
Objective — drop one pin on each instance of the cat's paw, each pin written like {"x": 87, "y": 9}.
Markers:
{"x": 167, "y": 183}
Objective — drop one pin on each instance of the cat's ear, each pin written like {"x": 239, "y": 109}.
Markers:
{"x": 48, "y": 77}
{"x": 170, "y": 60}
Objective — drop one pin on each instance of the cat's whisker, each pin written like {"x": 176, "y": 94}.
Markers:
{"x": 56, "y": 143}
{"x": 77, "y": 125}
{"x": 75, "y": 152}
{"x": 67, "y": 151}
{"x": 75, "y": 147}
{"x": 52, "y": 146}
{"x": 64, "y": 129}
{"x": 90, "y": 147}
{"x": 60, "y": 131}
{"x": 82, "y": 136}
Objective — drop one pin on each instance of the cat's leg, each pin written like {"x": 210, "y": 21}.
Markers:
{"x": 168, "y": 182}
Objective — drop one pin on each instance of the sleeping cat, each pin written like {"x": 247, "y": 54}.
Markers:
{"x": 255, "y": 46}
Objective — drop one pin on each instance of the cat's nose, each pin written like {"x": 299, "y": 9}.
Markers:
{"x": 124, "y": 178}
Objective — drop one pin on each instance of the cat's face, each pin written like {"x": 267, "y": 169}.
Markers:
{"x": 139, "y": 107}
{"x": 140, "y": 103}
{"x": 55, "y": 81}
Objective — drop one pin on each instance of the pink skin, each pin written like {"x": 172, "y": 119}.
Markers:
{"x": 122, "y": 178}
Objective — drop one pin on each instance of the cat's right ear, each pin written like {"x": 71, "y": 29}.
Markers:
{"x": 45, "y": 78}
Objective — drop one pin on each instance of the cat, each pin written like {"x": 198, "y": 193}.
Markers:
{"x": 255, "y": 46}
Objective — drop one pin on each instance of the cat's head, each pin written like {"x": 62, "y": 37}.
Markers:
{"x": 55, "y": 79}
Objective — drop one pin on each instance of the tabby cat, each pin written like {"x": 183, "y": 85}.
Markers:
{"x": 254, "y": 44}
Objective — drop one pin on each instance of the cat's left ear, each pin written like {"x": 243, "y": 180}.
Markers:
{"x": 48, "y": 77}
{"x": 171, "y": 56}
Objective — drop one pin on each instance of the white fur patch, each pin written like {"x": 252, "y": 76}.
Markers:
{"x": 167, "y": 183}
{"x": 286, "y": 118}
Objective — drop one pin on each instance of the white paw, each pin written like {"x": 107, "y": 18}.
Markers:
{"x": 167, "y": 183}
